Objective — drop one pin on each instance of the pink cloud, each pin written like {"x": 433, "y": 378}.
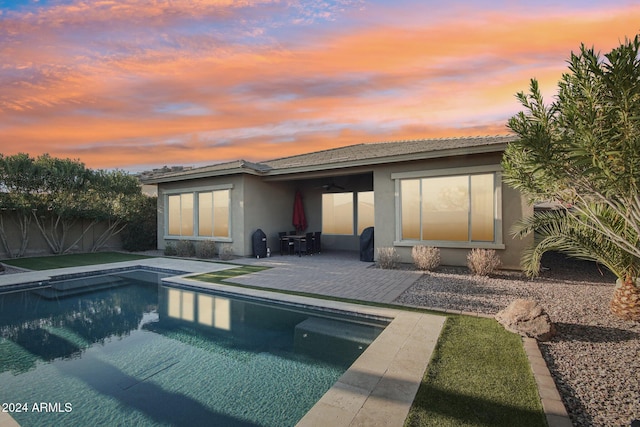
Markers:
{"x": 75, "y": 83}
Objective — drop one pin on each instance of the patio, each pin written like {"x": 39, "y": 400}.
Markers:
{"x": 338, "y": 274}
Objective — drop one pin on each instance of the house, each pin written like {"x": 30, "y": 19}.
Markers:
{"x": 446, "y": 193}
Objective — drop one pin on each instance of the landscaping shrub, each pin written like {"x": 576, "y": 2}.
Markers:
{"x": 141, "y": 232}
{"x": 483, "y": 262}
{"x": 185, "y": 248}
{"x": 425, "y": 257}
{"x": 206, "y": 249}
{"x": 170, "y": 249}
{"x": 226, "y": 252}
{"x": 388, "y": 258}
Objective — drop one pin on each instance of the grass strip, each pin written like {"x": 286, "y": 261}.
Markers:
{"x": 220, "y": 276}
{"x": 479, "y": 376}
{"x": 72, "y": 260}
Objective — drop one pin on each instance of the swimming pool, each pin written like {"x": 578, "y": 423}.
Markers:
{"x": 137, "y": 351}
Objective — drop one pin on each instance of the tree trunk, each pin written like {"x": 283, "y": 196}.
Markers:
{"x": 625, "y": 302}
{"x": 4, "y": 240}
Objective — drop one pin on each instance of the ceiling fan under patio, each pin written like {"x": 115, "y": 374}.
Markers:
{"x": 331, "y": 186}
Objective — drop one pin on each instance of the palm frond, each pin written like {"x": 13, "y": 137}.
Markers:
{"x": 561, "y": 231}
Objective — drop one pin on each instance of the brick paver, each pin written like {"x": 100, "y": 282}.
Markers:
{"x": 336, "y": 274}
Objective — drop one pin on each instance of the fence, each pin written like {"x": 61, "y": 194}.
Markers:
{"x": 74, "y": 240}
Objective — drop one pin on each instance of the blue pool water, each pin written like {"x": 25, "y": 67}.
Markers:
{"x": 127, "y": 349}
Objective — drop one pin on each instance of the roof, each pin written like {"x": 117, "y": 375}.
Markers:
{"x": 349, "y": 156}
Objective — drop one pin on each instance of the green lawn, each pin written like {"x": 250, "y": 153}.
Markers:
{"x": 71, "y": 260}
{"x": 479, "y": 374}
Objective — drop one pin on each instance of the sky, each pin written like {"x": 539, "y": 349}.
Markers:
{"x": 136, "y": 84}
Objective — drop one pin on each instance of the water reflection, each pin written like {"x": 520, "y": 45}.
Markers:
{"x": 189, "y": 316}
{"x": 62, "y": 321}
{"x": 35, "y": 327}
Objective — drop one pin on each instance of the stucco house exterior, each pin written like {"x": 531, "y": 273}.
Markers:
{"x": 446, "y": 193}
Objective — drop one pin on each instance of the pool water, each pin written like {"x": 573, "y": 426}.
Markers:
{"x": 128, "y": 349}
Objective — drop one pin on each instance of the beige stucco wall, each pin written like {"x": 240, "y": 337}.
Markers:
{"x": 267, "y": 206}
{"x": 513, "y": 208}
{"x": 255, "y": 204}
{"x": 267, "y": 203}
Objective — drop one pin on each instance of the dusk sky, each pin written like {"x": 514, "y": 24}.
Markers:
{"x": 134, "y": 84}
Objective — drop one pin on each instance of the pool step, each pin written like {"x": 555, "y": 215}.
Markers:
{"x": 82, "y": 285}
{"x": 333, "y": 340}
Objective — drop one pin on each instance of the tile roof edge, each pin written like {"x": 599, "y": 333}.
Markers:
{"x": 457, "y": 138}
{"x": 263, "y": 167}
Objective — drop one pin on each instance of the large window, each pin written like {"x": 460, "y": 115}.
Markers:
{"x": 213, "y": 218}
{"x": 181, "y": 214}
{"x": 341, "y": 211}
{"x": 201, "y": 214}
{"x": 456, "y": 208}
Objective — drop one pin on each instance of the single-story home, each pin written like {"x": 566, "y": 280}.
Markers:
{"x": 446, "y": 193}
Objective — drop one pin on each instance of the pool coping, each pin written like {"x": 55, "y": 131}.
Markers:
{"x": 378, "y": 389}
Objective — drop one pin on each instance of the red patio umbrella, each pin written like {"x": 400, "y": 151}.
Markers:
{"x": 299, "y": 219}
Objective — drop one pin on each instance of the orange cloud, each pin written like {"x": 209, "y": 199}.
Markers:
{"x": 150, "y": 90}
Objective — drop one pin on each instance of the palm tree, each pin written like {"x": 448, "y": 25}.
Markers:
{"x": 558, "y": 230}
{"x": 583, "y": 151}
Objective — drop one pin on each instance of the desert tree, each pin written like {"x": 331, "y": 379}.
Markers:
{"x": 582, "y": 151}
{"x": 116, "y": 197}
{"x": 62, "y": 199}
{"x": 18, "y": 190}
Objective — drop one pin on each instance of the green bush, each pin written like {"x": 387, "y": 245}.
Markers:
{"x": 206, "y": 249}
{"x": 170, "y": 249}
{"x": 185, "y": 248}
{"x": 141, "y": 232}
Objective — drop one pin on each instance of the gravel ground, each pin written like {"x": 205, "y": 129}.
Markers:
{"x": 594, "y": 359}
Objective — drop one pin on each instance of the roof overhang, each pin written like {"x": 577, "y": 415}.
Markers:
{"x": 322, "y": 169}
{"x": 363, "y": 163}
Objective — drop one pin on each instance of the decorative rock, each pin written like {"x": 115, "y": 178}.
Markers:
{"x": 527, "y": 318}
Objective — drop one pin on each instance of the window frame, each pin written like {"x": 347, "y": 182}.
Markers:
{"x": 355, "y": 211}
{"x": 195, "y": 192}
{"x": 496, "y": 170}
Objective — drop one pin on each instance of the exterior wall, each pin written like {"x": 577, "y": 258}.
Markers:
{"x": 236, "y": 220}
{"x": 38, "y": 246}
{"x": 267, "y": 204}
{"x": 514, "y": 207}
{"x": 255, "y": 204}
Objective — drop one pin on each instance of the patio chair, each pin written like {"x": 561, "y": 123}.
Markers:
{"x": 286, "y": 245}
{"x": 303, "y": 245}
